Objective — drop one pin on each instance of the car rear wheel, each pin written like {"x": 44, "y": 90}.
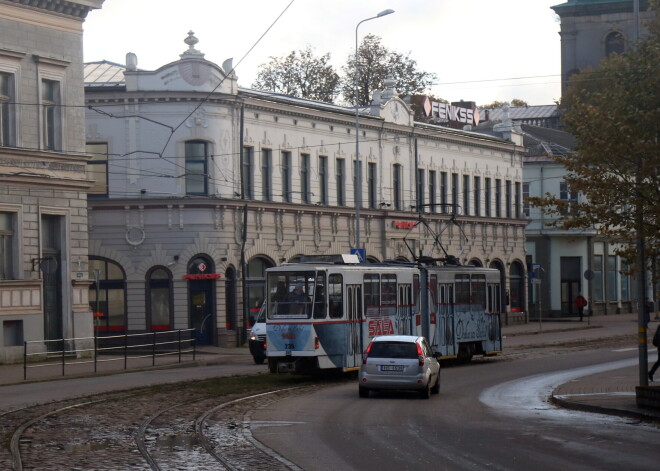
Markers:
{"x": 364, "y": 392}
{"x": 426, "y": 392}
{"x": 259, "y": 359}
{"x": 436, "y": 387}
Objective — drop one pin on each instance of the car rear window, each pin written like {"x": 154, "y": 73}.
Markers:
{"x": 393, "y": 350}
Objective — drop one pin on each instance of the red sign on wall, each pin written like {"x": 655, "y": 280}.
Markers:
{"x": 203, "y": 276}
{"x": 403, "y": 224}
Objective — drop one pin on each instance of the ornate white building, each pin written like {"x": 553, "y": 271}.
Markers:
{"x": 201, "y": 185}
{"x": 43, "y": 179}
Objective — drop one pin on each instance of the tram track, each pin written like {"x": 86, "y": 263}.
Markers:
{"x": 134, "y": 431}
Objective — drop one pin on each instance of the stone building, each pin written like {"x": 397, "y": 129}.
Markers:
{"x": 43, "y": 180}
{"x": 593, "y": 29}
{"x": 201, "y": 185}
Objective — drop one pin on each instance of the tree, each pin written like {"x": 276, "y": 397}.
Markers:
{"x": 613, "y": 113}
{"x": 376, "y": 63}
{"x": 500, "y": 104}
{"x": 300, "y": 74}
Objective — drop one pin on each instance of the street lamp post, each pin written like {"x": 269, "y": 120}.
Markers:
{"x": 358, "y": 173}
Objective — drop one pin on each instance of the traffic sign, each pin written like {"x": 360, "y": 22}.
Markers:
{"x": 361, "y": 253}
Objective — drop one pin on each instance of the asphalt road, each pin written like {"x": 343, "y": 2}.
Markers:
{"x": 488, "y": 416}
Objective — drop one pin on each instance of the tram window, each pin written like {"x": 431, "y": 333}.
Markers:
{"x": 290, "y": 294}
{"x": 433, "y": 288}
{"x": 415, "y": 290}
{"x": 335, "y": 296}
{"x": 388, "y": 294}
{"x": 372, "y": 294}
{"x": 462, "y": 289}
{"x": 478, "y": 287}
{"x": 319, "y": 297}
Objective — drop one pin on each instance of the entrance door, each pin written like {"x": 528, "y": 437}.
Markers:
{"x": 50, "y": 273}
{"x": 201, "y": 310}
{"x": 354, "y": 342}
{"x": 570, "y": 284}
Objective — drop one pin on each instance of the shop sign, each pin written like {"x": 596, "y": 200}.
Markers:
{"x": 450, "y": 112}
{"x": 202, "y": 276}
{"x": 403, "y": 224}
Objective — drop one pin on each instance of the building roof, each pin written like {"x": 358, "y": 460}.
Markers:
{"x": 542, "y": 141}
{"x": 104, "y": 74}
{"x": 517, "y": 113}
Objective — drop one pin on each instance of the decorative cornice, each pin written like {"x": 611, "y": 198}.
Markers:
{"x": 72, "y": 8}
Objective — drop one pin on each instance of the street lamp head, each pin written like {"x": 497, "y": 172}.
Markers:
{"x": 389, "y": 11}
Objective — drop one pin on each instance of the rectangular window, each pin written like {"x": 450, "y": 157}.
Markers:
{"x": 323, "y": 179}
{"x": 247, "y": 177}
{"x": 286, "y": 176}
{"x": 612, "y": 294}
{"x": 477, "y": 196}
{"x": 97, "y": 168}
{"x": 372, "y": 184}
{"x": 526, "y": 206}
{"x": 7, "y": 114}
{"x": 598, "y": 278}
{"x": 624, "y": 279}
{"x": 454, "y": 193}
{"x": 357, "y": 183}
{"x": 517, "y": 200}
{"x": 305, "y": 193}
{"x": 340, "y": 171}
{"x": 420, "y": 190}
{"x": 7, "y": 240}
{"x": 433, "y": 197}
{"x": 397, "y": 176}
{"x": 266, "y": 183}
{"x": 508, "y": 198}
{"x": 488, "y": 204}
{"x": 498, "y": 198}
{"x": 466, "y": 195}
{"x": 570, "y": 197}
{"x": 50, "y": 114}
{"x": 196, "y": 168}
{"x": 443, "y": 192}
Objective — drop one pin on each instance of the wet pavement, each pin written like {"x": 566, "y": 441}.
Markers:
{"x": 611, "y": 392}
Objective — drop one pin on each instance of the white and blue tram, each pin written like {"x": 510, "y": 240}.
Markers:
{"x": 323, "y": 315}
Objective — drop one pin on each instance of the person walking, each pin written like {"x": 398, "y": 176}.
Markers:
{"x": 581, "y": 303}
{"x": 656, "y": 344}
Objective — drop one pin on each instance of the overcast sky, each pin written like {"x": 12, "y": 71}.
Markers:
{"x": 468, "y": 44}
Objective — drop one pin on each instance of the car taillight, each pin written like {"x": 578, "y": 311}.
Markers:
{"x": 420, "y": 354}
{"x": 366, "y": 353}
{"x": 316, "y": 343}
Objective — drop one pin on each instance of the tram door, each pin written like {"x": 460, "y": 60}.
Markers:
{"x": 354, "y": 340}
{"x": 446, "y": 320}
{"x": 405, "y": 305}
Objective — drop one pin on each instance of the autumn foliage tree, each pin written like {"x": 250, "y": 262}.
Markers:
{"x": 376, "y": 63}
{"x": 613, "y": 111}
{"x": 300, "y": 74}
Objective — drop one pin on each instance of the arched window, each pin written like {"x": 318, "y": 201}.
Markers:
{"x": 256, "y": 282}
{"x": 107, "y": 295}
{"x": 516, "y": 283}
{"x": 614, "y": 43}
{"x": 159, "y": 299}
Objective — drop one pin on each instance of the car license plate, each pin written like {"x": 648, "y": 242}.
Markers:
{"x": 391, "y": 367}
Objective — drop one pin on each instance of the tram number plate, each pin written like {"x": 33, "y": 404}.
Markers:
{"x": 391, "y": 367}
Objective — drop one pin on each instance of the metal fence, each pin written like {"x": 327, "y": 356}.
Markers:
{"x": 136, "y": 349}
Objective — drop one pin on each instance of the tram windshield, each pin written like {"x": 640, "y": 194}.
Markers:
{"x": 291, "y": 294}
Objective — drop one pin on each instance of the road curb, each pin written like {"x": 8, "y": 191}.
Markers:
{"x": 630, "y": 414}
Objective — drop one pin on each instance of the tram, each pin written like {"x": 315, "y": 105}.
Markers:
{"x": 322, "y": 315}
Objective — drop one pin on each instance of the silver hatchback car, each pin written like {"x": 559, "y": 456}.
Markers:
{"x": 402, "y": 362}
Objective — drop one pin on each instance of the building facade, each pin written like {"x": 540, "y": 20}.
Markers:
{"x": 593, "y": 29}
{"x": 43, "y": 178}
{"x": 202, "y": 185}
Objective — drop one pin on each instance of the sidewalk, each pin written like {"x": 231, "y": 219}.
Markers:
{"x": 611, "y": 392}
